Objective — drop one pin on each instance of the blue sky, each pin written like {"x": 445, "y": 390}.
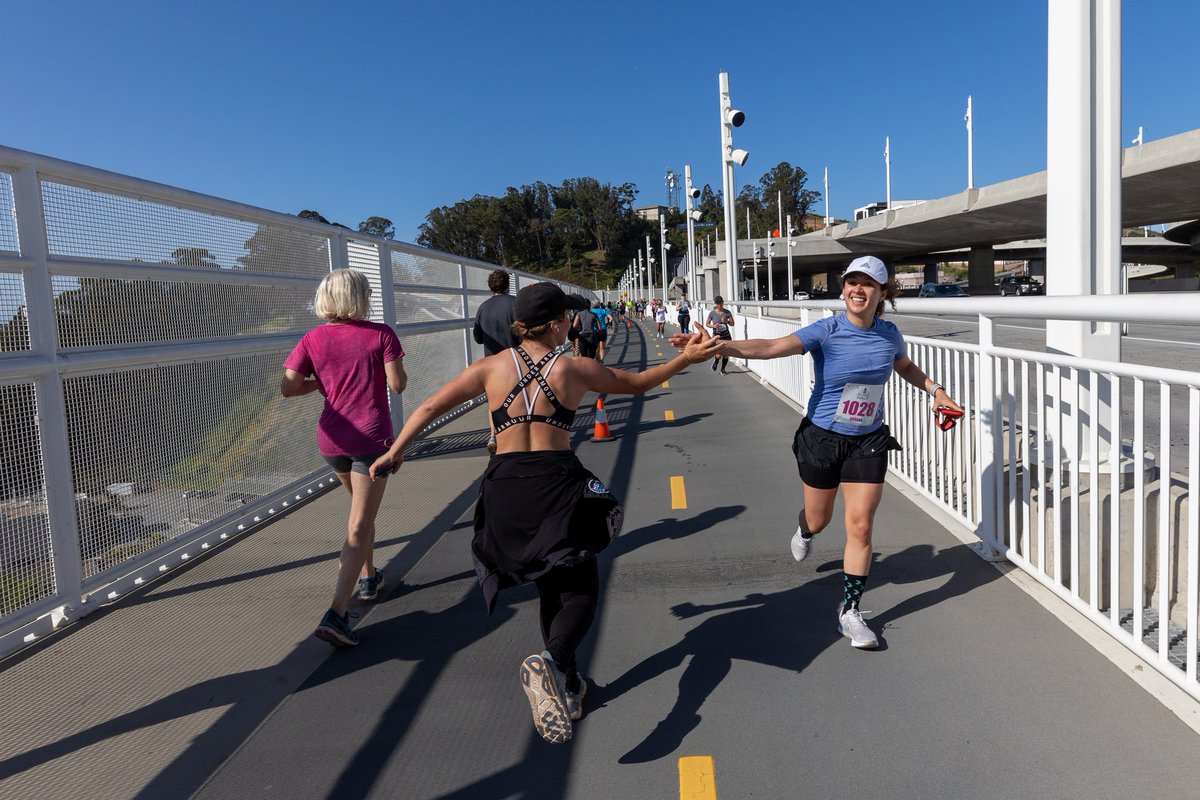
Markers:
{"x": 394, "y": 108}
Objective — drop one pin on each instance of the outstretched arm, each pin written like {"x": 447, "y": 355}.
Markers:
{"x": 907, "y": 369}
{"x": 607, "y": 380}
{"x": 465, "y": 387}
{"x": 789, "y": 345}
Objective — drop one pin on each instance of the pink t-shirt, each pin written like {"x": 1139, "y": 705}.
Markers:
{"x": 348, "y": 358}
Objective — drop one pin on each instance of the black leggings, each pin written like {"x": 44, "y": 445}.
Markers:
{"x": 568, "y": 606}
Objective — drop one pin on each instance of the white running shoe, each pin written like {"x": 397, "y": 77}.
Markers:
{"x": 543, "y": 685}
{"x": 851, "y": 624}
{"x": 801, "y": 546}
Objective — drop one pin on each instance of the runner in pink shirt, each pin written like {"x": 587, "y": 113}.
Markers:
{"x": 352, "y": 362}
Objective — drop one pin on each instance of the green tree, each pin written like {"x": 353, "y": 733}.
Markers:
{"x": 315, "y": 216}
{"x": 377, "y": 226}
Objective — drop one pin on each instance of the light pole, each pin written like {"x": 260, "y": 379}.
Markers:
{"x": 887, "y": 160}
{"x": 770, "y": 278}
{"x": 691, "y": 194}
{"x": 790, "y": 245}
{"x": 827, "y": 217}
{"x": 662, "y": 243}
{"x": 730, "y": 118}
{"x": 650, "y": 265}
{"x": 750, "y": 238}
{"x": 970, "y": 146}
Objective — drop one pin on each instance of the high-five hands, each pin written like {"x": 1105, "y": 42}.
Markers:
{"x": 697, "y": 347}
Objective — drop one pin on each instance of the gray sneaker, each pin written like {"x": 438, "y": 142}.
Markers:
{"x": 544, "y": 686}
{"x": 851, "y": 625}
{"x": 575, "y": 699}
{"x": 368, "y": 588}
{"x": 801, "y": 546}
{"x": 336, "y": 630}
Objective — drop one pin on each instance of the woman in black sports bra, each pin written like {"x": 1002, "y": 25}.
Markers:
{"x": 541, "y": 515}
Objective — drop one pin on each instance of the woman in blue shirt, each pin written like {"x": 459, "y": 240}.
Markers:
{"x": 842, "y": 441}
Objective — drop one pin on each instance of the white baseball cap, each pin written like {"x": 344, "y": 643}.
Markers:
{"x": 870, "y": 266}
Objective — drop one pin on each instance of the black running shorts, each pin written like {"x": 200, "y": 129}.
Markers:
{"x": 827, "y": 459}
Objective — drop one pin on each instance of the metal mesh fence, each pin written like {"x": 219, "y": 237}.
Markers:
{"x": 157, "y": 451}
{"x": 424, "y": 270}
{"x": 8, "y": 215}
{"x": 14, "y": 319}
{"x": 417, "y": 307}
{"x": 431, "y": 360}
{"x": 26, "y": 559}
{"x": 86, "y": 223}
{"x": 92, "y": 312}
{"x": 477, "y": 278}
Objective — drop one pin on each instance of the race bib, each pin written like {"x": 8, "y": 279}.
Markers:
{"x": 859, "y": 404}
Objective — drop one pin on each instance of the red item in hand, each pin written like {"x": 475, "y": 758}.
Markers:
{"x": 946, "y": 417}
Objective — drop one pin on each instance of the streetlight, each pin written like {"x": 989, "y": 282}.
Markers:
{"x": 970, "y": 145}
{"x": 887, "y": 160}
{"x": 691, "y": 194}
{"x": 662, "y": 242}
{"x": 790, "y": 245}
{"x": 730, "y": 118}
{"x": 828, "y": 219}
{"x": 770, "y": 277}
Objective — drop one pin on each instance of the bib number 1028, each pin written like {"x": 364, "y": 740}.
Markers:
{"x": 858, "y": 408}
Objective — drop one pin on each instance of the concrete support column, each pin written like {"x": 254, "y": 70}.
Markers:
{"x": 1083, "y": 194}
{"x": 833, "y": 282}
{"x": 805, "y": 281}
{"x": 931, "y": 272}
{"x": 981, "y": 269}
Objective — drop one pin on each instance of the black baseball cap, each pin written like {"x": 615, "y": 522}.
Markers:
{"x": 542, "y": 302}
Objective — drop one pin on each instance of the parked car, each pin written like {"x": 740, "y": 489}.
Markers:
{"x": 942, "y": 290}
{"x": 800, "y": 296}
{"x": 1019, "y": 285}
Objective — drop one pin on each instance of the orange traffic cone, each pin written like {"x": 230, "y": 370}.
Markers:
{"x": 600, "y": 432}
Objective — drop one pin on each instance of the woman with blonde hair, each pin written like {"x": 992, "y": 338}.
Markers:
{"x": 352, "y": 362}
{"x": 541, "y": 515}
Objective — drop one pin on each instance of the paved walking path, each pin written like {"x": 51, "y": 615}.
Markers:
{"x": 710, "y": 640}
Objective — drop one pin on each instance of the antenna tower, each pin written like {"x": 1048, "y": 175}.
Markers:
{"x": 672, "y": 190}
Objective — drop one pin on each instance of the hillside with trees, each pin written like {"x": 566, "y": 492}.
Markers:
{"x": 586, "y": 231}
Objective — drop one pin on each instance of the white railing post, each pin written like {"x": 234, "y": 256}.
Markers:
{"x": 387, "y": 290}
{"x": 52, "y": 410}
{"x": 468, "y": 332}
{"x": 991, "y": 455}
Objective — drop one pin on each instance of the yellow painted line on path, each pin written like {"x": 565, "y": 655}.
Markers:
{"x": 697, "y": 780}
{"x": 678, "y": 492}
{"x": 666, "y": 384}
{"x": 669, "y": 415}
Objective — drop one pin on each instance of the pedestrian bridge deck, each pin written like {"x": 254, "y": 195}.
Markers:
{"x": 710, "y": 640}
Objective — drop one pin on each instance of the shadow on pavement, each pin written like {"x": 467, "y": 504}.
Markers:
{"x": 771, "y": 629}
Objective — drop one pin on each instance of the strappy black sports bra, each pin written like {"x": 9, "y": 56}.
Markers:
{"x": 562, "y": 416}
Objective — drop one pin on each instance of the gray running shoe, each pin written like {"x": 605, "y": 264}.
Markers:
{"x": 575, "y": 699}
{"x": 336, "y": 630}
{"x": 368, "y": 588}
{"x": 543, "y": 685}
{"x": 851, "y": 625}
{"x": 801, "y": 546}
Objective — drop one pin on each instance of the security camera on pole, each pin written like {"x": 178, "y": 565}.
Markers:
{"x": 691, "y": 193}
{"x": 730, "y": 118}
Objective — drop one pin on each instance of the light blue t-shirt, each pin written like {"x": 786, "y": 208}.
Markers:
{"x": 852, "y": 365}
{"x": 601, "y": 317}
